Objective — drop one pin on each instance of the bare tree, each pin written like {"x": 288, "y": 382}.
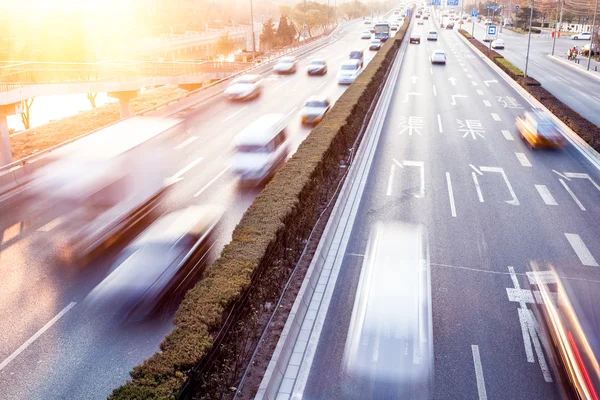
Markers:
{"x": 92, "y": 98}
{"x": 26, "y": 114}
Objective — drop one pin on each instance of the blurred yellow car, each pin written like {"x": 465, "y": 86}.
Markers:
{"x": 539, "y": 130}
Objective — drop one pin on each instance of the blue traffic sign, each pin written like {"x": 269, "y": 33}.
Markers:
{"x": 474, "y": 13}
{"x": 492, "y": 7}
{"x": 452, "y": 2}
{"x": 408, "y": 12}
{"x": 436, "y": 2}
{"x": 516, "y": 7}
{"x": 491, "y": 30}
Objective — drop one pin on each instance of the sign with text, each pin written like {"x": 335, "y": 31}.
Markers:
{"x": 452, "y": 2}
{"x": 436, "y": 2}
{"x": 492, "y": 30}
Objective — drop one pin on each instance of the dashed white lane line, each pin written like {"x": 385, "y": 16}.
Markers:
{"x": 568, "y": 189}
{"x": 479, "y": 373}
{"x": 546, "y": 195}
{"x": 235, "y": 114}
{"x": 474, "y": 83}
{"x": 11, "y": 232}
{"x": 440, "y": 123}
{"x": 187, "y": 168}
{"x": 321, "y": 85}
{"x": 507, "y": 135}
{"x": 187, "y": 142}
{"x": 496, "y": 117}
{"x": 480, "y": 92}
{"x": 523, "y": 159}
{"x": 51, "y": 225}
{"x": 581, "y": 250}
{"x": 431, "y": 71}
{"x": 391, "y": 180}
{"x": 451, "y": 195}
{"x": 213, "y": 180}
{"x": 36, "y": 335}
{"x": 487, "y": 103}
{"x": 434, "y": 91}
{"x": 477, "y": 187}
{"x": 469, "y": 76}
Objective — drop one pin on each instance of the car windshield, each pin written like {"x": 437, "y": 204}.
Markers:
{"x": 355, "y": 54}
{"x": 349, "y": 67}
{"x": 315, "y": 103}
{"x": 252, "y": 148}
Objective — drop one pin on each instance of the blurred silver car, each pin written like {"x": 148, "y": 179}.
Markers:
{"x": 317, "y": 66}
{"x": 375, "y": 44}
{"x": 244, "y": 87}
{"x": 286, "y": 65}
{"x": 314, "y": 110}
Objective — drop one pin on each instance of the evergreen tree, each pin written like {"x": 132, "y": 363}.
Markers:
{"x": 267, "y": 38}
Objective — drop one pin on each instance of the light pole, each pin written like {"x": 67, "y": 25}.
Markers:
{"x": 252, "y": 23}
{"x": 559, "y": 24}
{"x": 592, "y": 39}
{"x": 529, "y": 39}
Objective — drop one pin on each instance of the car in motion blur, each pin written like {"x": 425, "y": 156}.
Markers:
{"x": 365, "y": 35}
{"x": 394, "y": 26}
{"x": 317, "y": 67}
{"x": 420, "y": 21}
{"x": 415, "y": 38}
{"x": 450, "y": 26}
{"x": 569, "y": 321}
{"x": 539, "y": 130}
{"x": 358, "y": 55}
{"x": 260, "y": 150}
{"x": 161, "y": 262}
{"x": 582, "y": 36}
{"x": 498, "y": 44}
{"x": 389, "y": 345}
{"x": 314, "y": 110}
{"x": 244, "y": 87}
{"x": 438, "y": 57}
{"x": 349, "y": 70}
{"x": 432, "y": 35}
{"x": 286, "y": 65}
{"x": 375, "y": 44}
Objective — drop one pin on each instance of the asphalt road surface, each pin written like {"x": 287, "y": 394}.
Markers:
{"x": 53, "y": 348}
{"x": 449, "y": 158}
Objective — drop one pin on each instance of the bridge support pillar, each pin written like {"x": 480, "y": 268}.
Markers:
{"x": 124, "y": 98}
{"x": 5, "y": 152}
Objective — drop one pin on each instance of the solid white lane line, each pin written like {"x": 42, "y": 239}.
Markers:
{"x": 546, "y": 195}
{"x": 507, "y": 135}
{"x": 581, "y": 250}
{"x": 189, "y": 141}
{"x": 187, "y": 168}
{"x": 321, "y": 85}
{"x": 474, "y": 83}
{"x": 496, "y": 117}
{"x": 479, "y": 373}
{"x": 477, "y": 187}
{"x": 213, "y": 180}
{"x": 391, "y": 180}
{"x": 568, "y": 189}
{"x": 35, "y": 336}
{"x": 451, "y": 195}
{"x": 440, "y": 123}
{"x": 434, "y": 91}
{"x": 235, "y": 114}
{"x": 523, "y": 159}
{"x": 487, "y": 103}
{"x": 480, "y": 92}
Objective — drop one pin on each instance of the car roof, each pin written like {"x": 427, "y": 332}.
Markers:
{"x": 245, "y": 77}
{"x": 317, "y": 60}
{"x": 439, "y": 51}
{"x": 317, "y": 98}
{"x": 261, "y": 131}
{"x": 287, "y": 58}
{"x": 351, "y": 62}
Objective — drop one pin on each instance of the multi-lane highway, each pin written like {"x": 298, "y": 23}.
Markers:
{"x": 575, "y": 88}
{"x": 449, "y": 158}
{"x": 53, "y": 346}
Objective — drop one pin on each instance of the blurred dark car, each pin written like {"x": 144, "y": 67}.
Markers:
{"x": 450, "y": 25}
{"x": 160, "y": 262}
{"x": 539, "y": 130}
{"x": 570, "y": 321}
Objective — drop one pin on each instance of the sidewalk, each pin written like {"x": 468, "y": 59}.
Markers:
{"x": 580, "y": 64}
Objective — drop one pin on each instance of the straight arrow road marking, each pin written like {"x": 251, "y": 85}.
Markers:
{"x": 414, "y": 79}
{"x": 581, "y": 250}
{"x": 452, "y": 80}
{"x": 546, "y": 195}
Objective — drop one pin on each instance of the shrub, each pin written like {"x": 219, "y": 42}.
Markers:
{"x": 509, "y": 68}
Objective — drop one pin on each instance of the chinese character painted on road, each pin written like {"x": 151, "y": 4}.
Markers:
{"x": 471, "y": 127}
{"x": 509, "y": 102}
{"x": 411, "y": 124}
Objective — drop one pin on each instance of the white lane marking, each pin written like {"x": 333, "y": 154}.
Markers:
{"x": 546, "y": 195}
{"x": 563, "y": 79}
{"x": 523, "y": 316}
{"x": 431, "y": 71}
{"x": 480, "y": 92}
{"x": 514, "y": 201}
{"x": 507, "y": 135}
{"x": 11, "y": 232}
{"x": 213, "y": 180}
{"x": 434, "y": 91}
{"x": 582, "y": 176}
{"x": 477, "y": 187}
{"x": 474, "y": 83}
{"x": 451, "y": 195}
{"x": 561, "y": 175}
{"x": 235, "y": 114}
{"x": 596, "y": 97}
{"x": 421, "y": 165}
{"x": 36, "y": 335}
{"x": 185, "y": 169}
{"x": 290, "y": 113}
{"x": 568, "y": 189}
{"x": 391, "y": 180}
{"x": 189, "y": 141}
{"x": 398, "y": 163}
{"x": 487, "y": 103}
{"x": 479, "y": 372}
{"x": 487, "y": 83}
{"x": 440, "y": 123}
{"x": 581, "y": 250}
{"x": 321, "y": 85}
{"x": 523, "y": 159}
{"x": 466, "y": 70}
{"x": 496, "y": 117}
{"x": 455, "y": 96}
{"x": 469, "y": 76}
{"x": 51, "y": 225}
{"x": 475, "y": 169}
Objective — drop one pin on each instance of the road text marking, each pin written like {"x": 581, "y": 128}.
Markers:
{"x": 581, "y": 250}
{"x": 451, "y": 195}
{"x": 479, "y": 373}
{"x": 546, "y": 195}
{"x": 523, "y": 159}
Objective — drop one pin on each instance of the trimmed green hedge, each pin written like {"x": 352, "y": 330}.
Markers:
{"x": 465, "y": 33}
{"x": 509, "y": 68}
{"x": 281, "y": 216}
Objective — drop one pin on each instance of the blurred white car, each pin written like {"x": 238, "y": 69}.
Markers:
{"x": 432, "y": 35}
{"x": 498, "y": 44}
{"x": 348, "y": 72}
{"x": 487, "y": 22}
{"x": 365, "y": 35}
{"x": 375, "y": 44}
{"x": 244, "y": 87}
{"x": 286, "y": 65}
{"x": 420, "y": 22}
{"x": 317, "y": 66}
{"x": 582, "y": 36}
{"x": 314, "y": 110}
{"x": 438, "y": 57}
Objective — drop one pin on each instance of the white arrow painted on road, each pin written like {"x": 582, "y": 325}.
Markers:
{"x": 487, "y": 83}
{"x": 414, "y": 79}
{"x": 452, "y": 80}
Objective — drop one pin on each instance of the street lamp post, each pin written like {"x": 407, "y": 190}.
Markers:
{"x": 529, "y": 39}
{"x": 558, "y": 25}
{"x": 252, "y": 23}
{"x": 592, "y": 39}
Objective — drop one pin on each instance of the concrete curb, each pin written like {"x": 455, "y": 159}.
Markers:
{"x": 585, "y": 149}
{"x": 593, "y": 74}
{"x": 312, "y": 286}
